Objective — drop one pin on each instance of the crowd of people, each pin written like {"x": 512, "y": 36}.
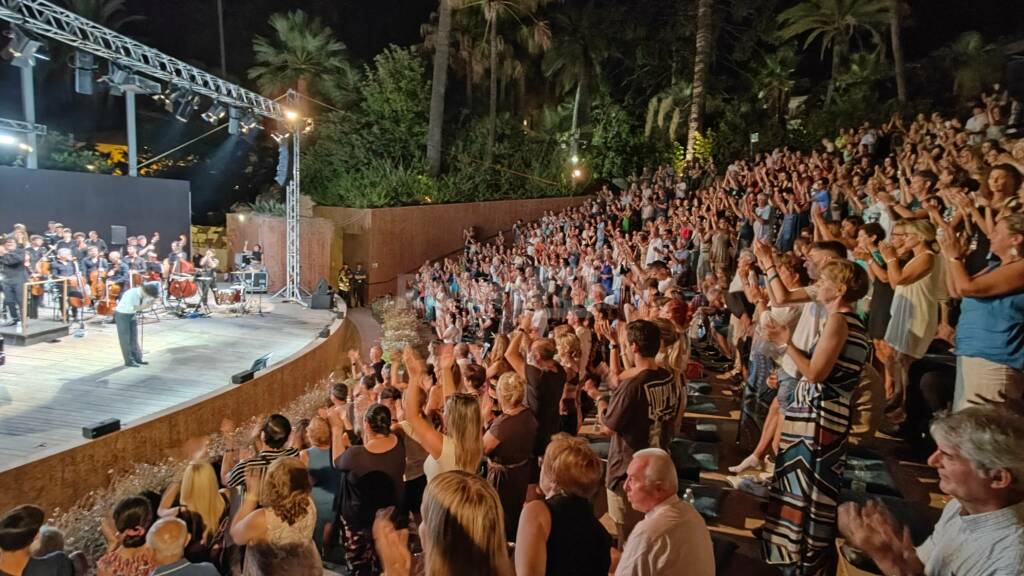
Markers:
{"x": 872, "y": 285}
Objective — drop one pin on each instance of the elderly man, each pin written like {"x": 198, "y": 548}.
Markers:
{"x": 167, "y": 539}
{"x": 980, "y": 461}
{"x": 672, "y": 538}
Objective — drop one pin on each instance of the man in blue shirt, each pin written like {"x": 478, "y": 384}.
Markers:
{"x": 132, "y": 302}
{"x": 167, "y": 539}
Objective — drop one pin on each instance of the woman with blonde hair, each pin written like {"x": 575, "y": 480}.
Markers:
{"x": 462, "y": 531}
{"x": 199, "y": 492}
{"x": 568, "y": 355}
{"x": 496, "y": 363}
{"x": 919, "y": 289}
{"x": 508, "y": 444}
{"x": 560, "y": 534}
{"x": 460, "y": 447}
{"x": 287, "y": 514}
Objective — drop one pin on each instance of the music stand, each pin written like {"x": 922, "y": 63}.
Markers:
{"x": 247, "y": 279}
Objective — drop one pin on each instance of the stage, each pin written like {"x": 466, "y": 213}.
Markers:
{"x": 48, "y": 391}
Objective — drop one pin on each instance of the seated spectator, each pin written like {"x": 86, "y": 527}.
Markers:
{"x": 50, "y": 540}
{"x": 18, "y": 528}
{"x": 167, "y": 539}
{"x": 287, "y": 514}
{"x": 559, "y": 534}
{"x": 462, "y": 532}
{"x": 125, "y": 533}
{"x": 980, "y": 461}
{"x": 672, "y": 534}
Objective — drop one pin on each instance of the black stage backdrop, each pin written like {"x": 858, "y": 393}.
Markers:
{"x": 86, "y": 202}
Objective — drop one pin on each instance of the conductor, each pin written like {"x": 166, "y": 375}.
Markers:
{"x": 132, "y": 301}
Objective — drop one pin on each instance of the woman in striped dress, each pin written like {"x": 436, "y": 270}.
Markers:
{"x": 800, "y": 525}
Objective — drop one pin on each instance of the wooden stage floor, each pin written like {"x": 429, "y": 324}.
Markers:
{"x": 49, "y": 391}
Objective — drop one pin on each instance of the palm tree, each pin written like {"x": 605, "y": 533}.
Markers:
{"x": 522, "y": 11}
{"x": 700, "y": 74}
{"x": 972, "y": 63}
{"x": 465, "y": 54}
{"x": 438, "y": 85}
{"x": 835, "y": 22}
{"x": 774, "y": 81}
{"x": 304, "y": 54}
{"x": 579, "y": 44}
{"x": 895, "y": 15}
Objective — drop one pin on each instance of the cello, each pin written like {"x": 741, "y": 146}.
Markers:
{"x": 83, "y": 289}
{"x": 41, "y": 271}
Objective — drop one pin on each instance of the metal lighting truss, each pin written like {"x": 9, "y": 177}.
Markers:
{"x": 21, "y": 127}
{"x": 292, "y": 289}
{"x": 49, "y": 20}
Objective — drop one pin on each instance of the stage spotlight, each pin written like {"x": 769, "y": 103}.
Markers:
{"x": 115, "y": 78}
{"x": 250, "y": 122}
{"x": 8, "y": 140}
{"x": 279, "y": 136}
{"x": 216, "y": 112}
{"x": 234, "y": 124}
{"x": 22, "y": 51}
{"x": 577, "y": 174}
{"x": 291, "y": 114}
{"x": 187, "y": 107}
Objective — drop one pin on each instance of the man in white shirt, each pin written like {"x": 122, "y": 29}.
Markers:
{"x": 979, "y": 457}
{"x": 133, "y": 301}
{"x": 672, "y": 538}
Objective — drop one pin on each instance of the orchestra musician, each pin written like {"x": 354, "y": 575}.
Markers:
{"x": 93, "y": 262}
{"x": 52, "y": 234}
{"x": 81, "y": 249}
{"x": 147, "y": 247}
{"x": 252, "y": 259}
{"x": 95, "y": 240}
{"x": 37, "y": 252}
{"x": 13, "y": 275}
{"x": 135, "y": 262}
{"x": 66, "y": 240}
{"x": 206, "y": 278}
{"x": 66, "y": 268}
{"x": 118, "y": 272}
{"x": 154, "y": 268}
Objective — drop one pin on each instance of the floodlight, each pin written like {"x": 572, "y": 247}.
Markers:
{"x": 22, "y": 51}
{"x": 216, "y": 112}
{"x": 187, "y": 107}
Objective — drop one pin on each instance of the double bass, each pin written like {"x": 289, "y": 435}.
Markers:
{"x": 181, "y": 285}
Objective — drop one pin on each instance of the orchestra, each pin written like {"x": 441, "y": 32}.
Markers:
{"x": 97, "y": 274}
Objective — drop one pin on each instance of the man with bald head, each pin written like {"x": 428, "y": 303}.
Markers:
{"x": 167, "y": 539}
{"x": 672, "y": 534}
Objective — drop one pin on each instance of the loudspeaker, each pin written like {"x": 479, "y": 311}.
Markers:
{"x": 118, "y": 235}
{"x": 101, "y": 428}
{"x": 243, "y": 376}
{"x": 322, "y": 287}
{"x": 320, "y": 302}
{"x": 83, "y": 63}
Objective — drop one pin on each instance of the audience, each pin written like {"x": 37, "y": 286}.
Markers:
{"x": 864, "y": 285}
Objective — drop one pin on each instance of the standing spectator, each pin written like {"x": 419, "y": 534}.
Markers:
{"x": 800, "y": 523}
{"x": 509, "y": 444}
{"x": 672, "y": 534}
{"x": 286, "y": 515}
{"x": 990, "y": 334}
{"x": 270, "y": 443}
{"x": 167, "y": 539}
{"x": 545, "y": 381}
{"x": 324, "y": 476}
{"x": 641, "y": 414}
{"x": 462, "y": 531}
{"x": 18, "y": 528}
{"x": 198, "y": 492}
{"x": 371, "y": 480}
{"x": 559, "y": 534}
